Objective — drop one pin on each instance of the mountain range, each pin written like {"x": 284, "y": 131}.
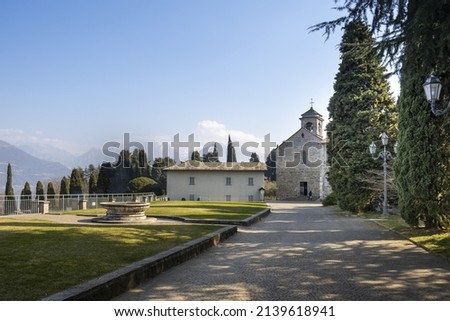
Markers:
{"x": 40, "y": 163}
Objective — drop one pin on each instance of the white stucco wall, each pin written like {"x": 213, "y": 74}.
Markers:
{"x": 211, "y": 185}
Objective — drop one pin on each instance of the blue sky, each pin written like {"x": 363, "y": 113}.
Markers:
{"x": 77, "y": 74}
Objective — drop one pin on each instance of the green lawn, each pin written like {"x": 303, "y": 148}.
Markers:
{"x": 194, "y": 210}
{"x": 39, "y": 258}
{"x": 206, "y": 210}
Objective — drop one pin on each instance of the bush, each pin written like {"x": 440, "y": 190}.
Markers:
{"x": 270, "y": 189}
{"x": 329, "y": 200}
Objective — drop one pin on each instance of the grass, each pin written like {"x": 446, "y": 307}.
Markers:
{"x": 39, "y": 258}
{"x": 435, "y": 240}
{"x": 193, "y": 209}
{"x": 206, "y": 210}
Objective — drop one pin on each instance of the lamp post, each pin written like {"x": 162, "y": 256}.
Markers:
{"x": 385, "y": 155}
{"x": 432, "y": 87}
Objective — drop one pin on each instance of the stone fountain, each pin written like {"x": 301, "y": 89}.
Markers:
{"x": 124, "y": 212}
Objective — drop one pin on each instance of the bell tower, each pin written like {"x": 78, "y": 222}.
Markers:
{"x": 312, "y": 121}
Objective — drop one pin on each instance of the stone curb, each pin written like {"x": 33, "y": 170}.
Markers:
{"x": 114, "y": 283}
{"x": 247, "y": 222}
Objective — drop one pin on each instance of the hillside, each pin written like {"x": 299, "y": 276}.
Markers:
{"x": 27, "y": 168}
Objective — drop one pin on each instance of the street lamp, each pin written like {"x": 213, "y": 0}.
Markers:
{"x": 385, "y": 155}
{"x": 432, "y": 87}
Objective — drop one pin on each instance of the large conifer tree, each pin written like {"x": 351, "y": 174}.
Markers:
{"x": 25, "y": 198}
{"x": 231, "y": 152}
{"x": 50, "y": 191}
{"x": 64, "y": 186}
{"x": 76, "y": 182}
{"x": 40, "y": 191}
{"x": 422, "y": 168}
{"x": 360, "y": 110}
{"x": 10, "y": 201}
{"x": 413, "y": 36}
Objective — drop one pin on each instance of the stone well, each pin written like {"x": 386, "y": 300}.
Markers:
{"x": 123, "y": 212}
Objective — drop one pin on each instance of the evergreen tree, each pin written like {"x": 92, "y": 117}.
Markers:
{"x": 105, "y": 178}
{"x": 231, "y": 152}
{"x": 143, "y": 185}
{"x": 123, "y": 172}
{"x": 25, "y": 198}
{"x": 139, "y": 164}
{"x": 211, "y": 156}
{"x": 158, "y": 173}
{"x": 9, "y": 190}
{"x": 413, "y": 36}
{"x": 64, "y": 186}
{"x": 360, "y": 110}
{"x": 254, "y": 158}
{"x": 422, "y": 167}
{"x": 271, "y": 165}
{"x": 10, "y": 200}
{"x": 50, "y": 191}
{"x": 195, "y": 156}
{"x": 40, "y": 194}
{"x": 76, "y": 182}
{"x": 26, "y": 191}
{"x": 93, "y": 184}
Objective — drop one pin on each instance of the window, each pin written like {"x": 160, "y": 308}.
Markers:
{"x": 191, "y": 197}
{"x": 228, "y": 181}
{"x": 250, "y": 198}
{"x": 228, "y": 198}
{"x": 191, "y": 180}
{"x": 250, "y": 181}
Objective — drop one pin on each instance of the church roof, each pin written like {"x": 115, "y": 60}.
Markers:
{"x": 218, "y": 166}
{"x": 312, "y": 113}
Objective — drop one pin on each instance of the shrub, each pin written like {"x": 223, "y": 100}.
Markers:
{"x": 329, "y": 200}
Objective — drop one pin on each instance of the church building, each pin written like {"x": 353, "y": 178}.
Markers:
{"x": 301, "y": 164}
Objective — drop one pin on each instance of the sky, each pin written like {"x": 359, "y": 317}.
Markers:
{"x": 79, "y": 74}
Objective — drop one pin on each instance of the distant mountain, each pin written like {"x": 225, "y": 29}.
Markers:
{"x": 26, "y": 167}
{"x": 94, "y": 156}
{"x": 53, "y": 154}
{"x": 49, "y": 153}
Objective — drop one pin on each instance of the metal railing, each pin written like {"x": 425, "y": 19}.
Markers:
{"x": 60, "y": 203}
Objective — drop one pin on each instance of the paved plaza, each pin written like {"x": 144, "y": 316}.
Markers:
{"x": 304, "y": 251}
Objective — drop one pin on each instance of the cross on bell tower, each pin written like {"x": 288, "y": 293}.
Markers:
{"x": 312, "y": 120}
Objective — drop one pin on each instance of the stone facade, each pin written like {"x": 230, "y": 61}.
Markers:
{"x": 301, "y": 161}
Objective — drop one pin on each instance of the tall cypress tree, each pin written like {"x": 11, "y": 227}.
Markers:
{"x": 231, "y": 152}
{"x": 360, "y": 110}
{"x": 40, "y": 191}
{"x": 50, "y": 191}
{"x": 271, "y": 163}
{"x": 76, "y": 182}
{"x": 105, "y": 178}
{"x": 25, "y": 198}
{"x": 9, "y": 190}
{"x": 422, "y": 168}
{"x": 10, "y": 201}
{"x": 92, "y": 183}
{"x": 413, "y": 37}
{"x": 64, "y": 186}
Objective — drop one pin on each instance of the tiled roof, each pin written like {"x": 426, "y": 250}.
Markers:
{"x": 217, "y": 166}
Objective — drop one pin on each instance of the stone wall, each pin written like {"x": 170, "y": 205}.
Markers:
{"x": 300, "y": 159}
